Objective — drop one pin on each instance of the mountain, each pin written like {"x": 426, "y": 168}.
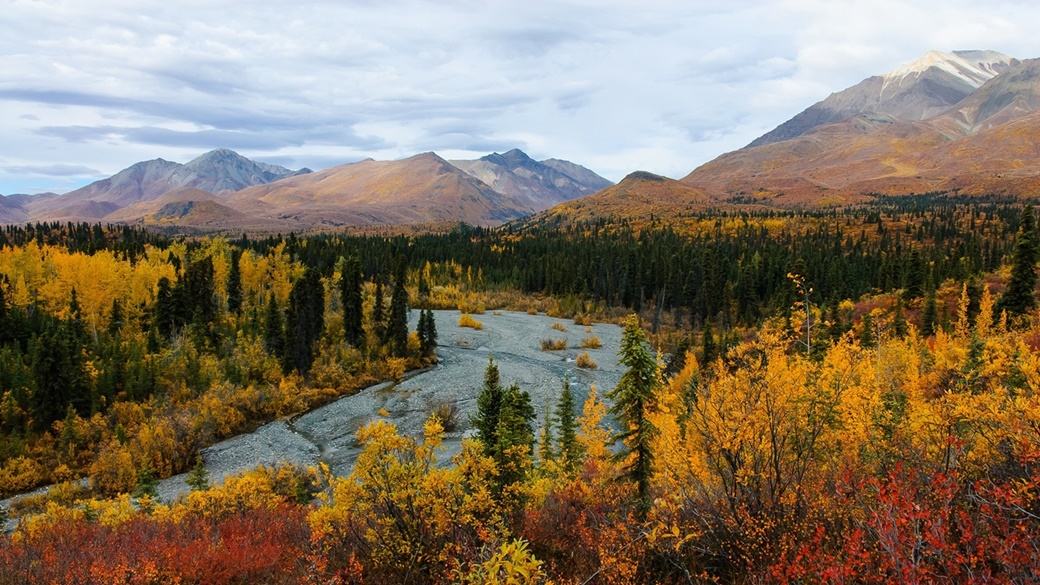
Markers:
{"x": 189, "y": 207}
{"x": 532, "y": 184}
{"x": 639, "y": 197}
{"x": 984, "y": 143}
{"x": 916, "y": 91}
{"x": 421, "y": 189}
{"x": 216, "y": 171}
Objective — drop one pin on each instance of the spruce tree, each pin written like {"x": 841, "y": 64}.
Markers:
{"x": 634, "y": 398}
{"x": 570, "y": 451}
{"x": 546, "y": 453}
{"x": 515, "y": 438}
{"x": 274, "y": 330}
{"x": 350, "y": 284}
{"x": 234, "y": 284}
{"x": 899, "y": 325}
{"x": 304, "y": 321}
{"x": 198, "y": 478}
{"x": 164, "y": 309}
{"x": 709, "y": 349}
{"x": 489, "y": 406}
{"x": 115, "y": 318}
{"x": 929, "y": 315}
{"x": 397, "y": 328}
{"x": 1020, "y": 295}
{"x": 378, "y": 312}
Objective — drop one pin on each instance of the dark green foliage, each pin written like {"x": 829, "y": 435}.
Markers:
{"x": 234, "y": 283}
{"x": 427, "y": 331}
{"x": 709, "y": 348}
{"x": 570, "y": 451}
{"x": 350, "y": 285}
{"x": 274, "y": 329}
{"x": 379, "y": 312}
{"x": 929, "y": 315}
{"x": 1020, "y": 295}
{"x": 915, "y": 275}
{"x": 165, "y": 311}
{"x": 304, "y": 322}
{"x": 59, "y": 373}
{"x": 899, "y": 325}
{"x": 115, "y": 318}
{"x": 397, "y": 327}
{"x": 489, "y": 406}
{"x": 201, "y": 300}
{"x": 515, "y": 439}
{"x": 146, "y": 483}
{"x": 198, "y": 478}
{"x": 634, "y": 398}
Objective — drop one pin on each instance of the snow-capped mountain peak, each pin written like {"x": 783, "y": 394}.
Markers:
{"x": 972, "y": 67}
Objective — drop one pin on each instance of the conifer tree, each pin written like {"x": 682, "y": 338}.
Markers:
{"x": 570, "y": 451}
{"x": 350, "y": 284}
{"x": 164, "y": 309}
{"x": 929, "y": 315}
{"x": 1020, "y": 295}
{"x": 866, "y": 331}
{"x": 397, "y": 327}
{"x": 709, "y": 349}
{"x": 546, "y": 453}
{"x": 515, "y": 438}
{"x": 234, "y": 283}
{"x": 489, "y": 407}
{"x": 634, "y": 397}
{"x": 274, "y": 330}
{"x": 304, "y": 321}
{"x": 115, "y": 319}
{"x": 198, "y": 478}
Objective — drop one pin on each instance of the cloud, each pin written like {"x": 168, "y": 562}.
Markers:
{"x": 662, "y": 85}
{"x": 55, "y": 170}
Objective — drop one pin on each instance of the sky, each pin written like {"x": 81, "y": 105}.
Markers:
{"x": 90, "y": 87}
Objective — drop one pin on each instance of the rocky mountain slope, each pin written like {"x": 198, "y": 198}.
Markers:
{"x": 984, "y": 143}
{"x": 536, "y": 185}
{"x": 916, "y": 91}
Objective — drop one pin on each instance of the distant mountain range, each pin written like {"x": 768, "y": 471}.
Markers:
{"x": 224, "y": 190}
{"x": 964, "y": 122}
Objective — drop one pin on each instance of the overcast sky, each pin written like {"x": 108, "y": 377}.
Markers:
{"x": 89, "y": 87}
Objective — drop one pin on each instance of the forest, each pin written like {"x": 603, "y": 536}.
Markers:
{"x": 843, "y": 395}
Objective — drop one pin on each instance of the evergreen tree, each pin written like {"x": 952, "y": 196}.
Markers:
{"x": 570, "y": 451}
{"x": 709, "y": 349}
{"x": 489, "y": 406}
{"x": 198, "y": 478}
{"x": 146, "y": 483}
{"x": 274, "y": 330}
{"x": 397, "y": 328}
{"x": 634, "y": 398}
{"x": 164, "y": 309}
{"x": 201, "y": 295}
{"x": 115, "y": 320}
{"x": 899, "y": 325}
{"x": 304, "y": 321}
{"x": 866, "y": 331}
{"x": 427, "y": 333}
{"x": 350, "y": 284}
{"x": 929, "y": 315}
{"x": 546, "y": 452}
{"x": 1020, "y": 295}
{"x": 915, "y": 276}
{"x": 515, "y": 435}
{"x": 378, "y": 312}
{"x": 234, "y": 283}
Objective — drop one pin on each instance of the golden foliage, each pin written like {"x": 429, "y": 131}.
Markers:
{"x": 591, "y": 342}
{"x": 467, "y": 321}
{"x": 585, "y": 362}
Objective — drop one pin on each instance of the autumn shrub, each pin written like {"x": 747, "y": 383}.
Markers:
{"x": 559, "y": 327}
{"x": 467, "y": 321}
{"x": 585, "y": 362}
{"x": 591, "y": 342}
{"x": 449, "y": 415}
{"x": 582, "y": 319}
{"x": 19, "y": 474}
{"x": 549, "y": 344}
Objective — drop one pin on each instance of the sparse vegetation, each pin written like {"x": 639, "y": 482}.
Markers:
{"x": 559, "y": 327}
{"x": 585, "y": 362}
{"x": 448, "y": 415}
{"x": 582, "y": 319}
{"x": 592, "y": 342}
{"x": 468, "y": 321}
{"x": 549, "y": 344}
